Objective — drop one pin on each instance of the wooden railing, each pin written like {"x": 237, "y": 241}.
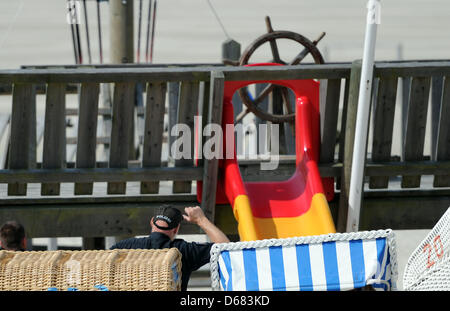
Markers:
{"x": 85, "y": 212}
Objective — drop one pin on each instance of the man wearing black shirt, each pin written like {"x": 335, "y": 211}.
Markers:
{"x": 165, "y": 225}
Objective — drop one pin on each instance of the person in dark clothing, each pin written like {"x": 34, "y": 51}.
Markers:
{"x": 165, "y": 225}
{"x": 12, "y": 236}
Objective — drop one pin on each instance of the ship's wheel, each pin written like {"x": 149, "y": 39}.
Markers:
{"x": 271, "y": 37}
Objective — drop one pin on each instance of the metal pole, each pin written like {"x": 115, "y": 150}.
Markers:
{"x": 88, "y": 40}
{"x": 74, "y": 43}
{"x": 73, "y": 21}
{"x": 121, "y": 31}
{"x": 78, "y": 39}
{"x": 121, "y": 51}
{"x": 152, "y": 40}
{"x": 362, "y": 117}
{"x": 138, "y": 54}
{"x": 147, "y": 42}
{"x": 99, "y": 32}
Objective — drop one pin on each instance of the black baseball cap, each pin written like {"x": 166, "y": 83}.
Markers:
{"x": 170, "y": 215}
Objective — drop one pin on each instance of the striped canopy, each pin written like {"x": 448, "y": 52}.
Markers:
{"x": 326, "y": 262}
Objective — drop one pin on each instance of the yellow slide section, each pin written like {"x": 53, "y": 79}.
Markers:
{"x": 317, "y": 220}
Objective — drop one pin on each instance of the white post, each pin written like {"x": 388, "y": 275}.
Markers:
{"x": 52, "y": 244}
{"x": 362, "y": 117}
{"x": 110, "y": 241}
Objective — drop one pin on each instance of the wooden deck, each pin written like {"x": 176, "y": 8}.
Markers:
{"x": 103, "y": 172}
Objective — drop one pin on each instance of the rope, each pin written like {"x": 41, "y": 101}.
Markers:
{"x": 138, "y": 56}
{"x": 99, "y": 32}
{"x": 153, "y": 32}
{"x": 88, "y": 40}
{"x": 10, "y": 26}
{"x": 149, "y": 17}
{"x": 315, "y": 239}
{"x": 218, "y": 19}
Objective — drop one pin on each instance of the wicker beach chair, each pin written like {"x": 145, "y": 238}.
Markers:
{"x": 90, "y": 270}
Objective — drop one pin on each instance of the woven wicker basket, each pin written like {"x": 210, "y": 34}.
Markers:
{"x": 116, "y": 270}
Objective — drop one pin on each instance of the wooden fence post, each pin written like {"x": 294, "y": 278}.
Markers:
{"x": 153, "y": 133}
{"x": 189, "y": 93}
{"x": 443, "y": 135}
{"x": 350, "y": 125}
{"x": 416, "y": 119}
{"x": 87, "y": 132}
{"x": 383, "y": 121}
{"x": 211, "y": 166}
{"x": 329, "y": 110}
{"x": 22, "y": 149}
{"x": 54, "y": 133}
{"x": 173, "y": 92}
{"x": 123, "y": 108}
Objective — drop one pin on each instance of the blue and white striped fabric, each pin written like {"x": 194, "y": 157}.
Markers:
{"x": 330, "y": 265}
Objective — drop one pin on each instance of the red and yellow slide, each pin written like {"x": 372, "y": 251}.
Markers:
{"x": 295, "y": 207}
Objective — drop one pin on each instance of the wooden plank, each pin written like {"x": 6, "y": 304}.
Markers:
{"x": 264, "y": 105}
{"x": 53, "y": 156}
{"x": 411, "y": 63}
{"x": 189, "y": 92}
{"x": 343, "y": 120}
{"x": 123, "y": 108}
{"x": 134, "y": 75}
{"x": 203, "y": 110}
{"x": 406, "y": 89}
{"x": 100, "y": 140}
{"x": 4, "y": 136}
{"x": 436, "y": 99}
{"x": 350, "y": 126}
{"x": 329, "y": 110}
{"x": 108, "y": 199}
{"x": 287, "y": 130}
{"x": 91, "y": 219}
{"x": 443, "y": 135}
{"x": 173, "y": 91}
{"x": 250, "y": 172}
{"x": 153, "y": 133}
{"x": 211, "y": 166}
{"x": 103, "y": 111}
{"x": 23, "y": 133}
{"x": 402, "y": 212}
{"x": 100, "y": 199}
{"x": 110, "y": 175}
{"x": 275, "y": 106}
{"x": 341, "y": 137}
{"x": 409, "y": 168}
{"x": 412, "y": 68}
{"x": 416, "y": 119}
{"x": 4, "y": 121}
{"x": 92, "y": 243}
{"x": 383, "y": 125}
{"x": 106, "y": 102}
{"x": 195, "y": 73}
{"x": 87, "y": 132}
{"x": 122, "y": 65}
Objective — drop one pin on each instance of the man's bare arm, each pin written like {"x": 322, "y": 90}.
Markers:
{"x": 196, "y": 216}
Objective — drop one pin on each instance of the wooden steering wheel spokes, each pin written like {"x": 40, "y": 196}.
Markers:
{"x": 309, "y": 48}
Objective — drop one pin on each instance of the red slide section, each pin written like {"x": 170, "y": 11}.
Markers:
{"x": 295, "y": 207}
